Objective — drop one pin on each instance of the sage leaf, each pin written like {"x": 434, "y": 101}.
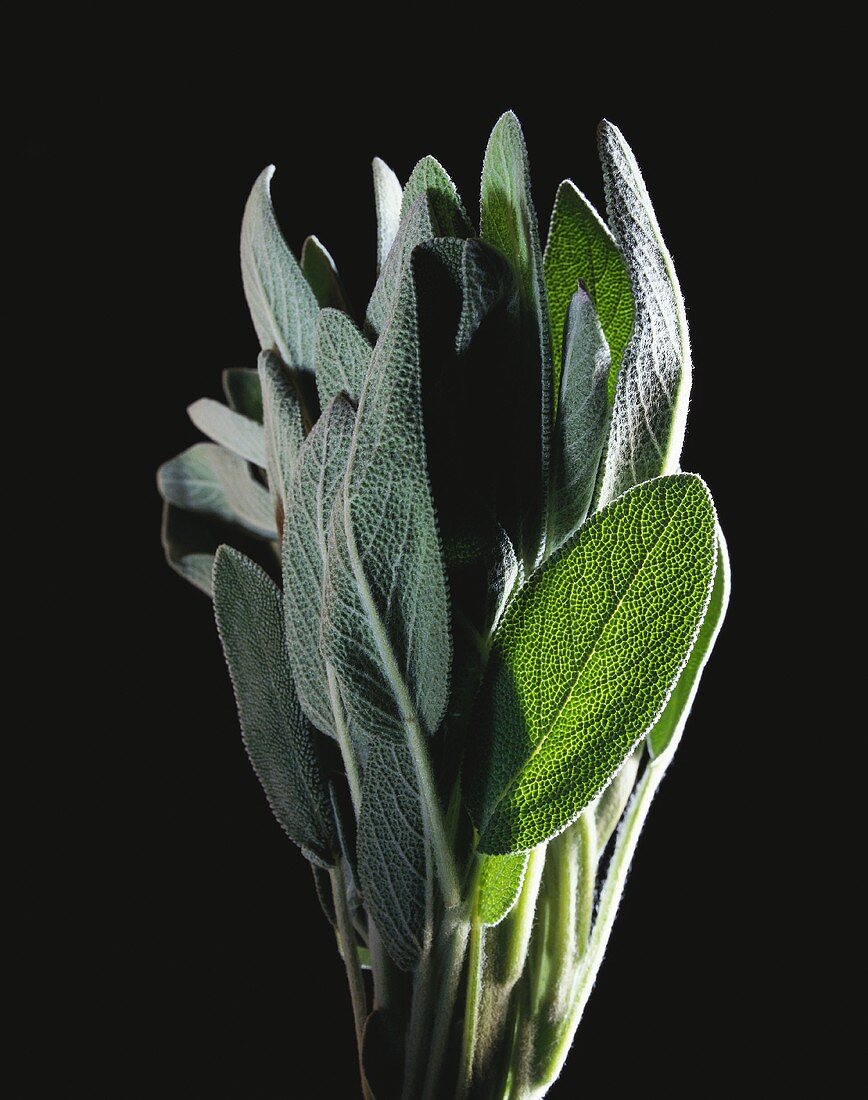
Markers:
{"x": 319, "y": 269}
{"x": 430, "y": 178}
{"x": 508, "y": 222}
{"x": 284, "y": 429}
{"x": 391, "y": 852}
{"x": 243, "y": 392}
{"x": 584, "y": 659}
{"x": 343, "y": 356}
{"x": 417, "y": 226}
{"x": 321, "y": 464}
{"x": 211, "y": 480}
{"x": 278, "y": 738}
{"x": 386, "y": 626}
{"x": 670, "y": 725}
{"x": 613, "y": 801}
{"x": 581, "y": 423}
{"x": 500, "y": 883}
{"x": 653, "y": 387}
{"x": 237, "y": 433}
{"x": 387, "y": 201}
{"x": 282, "y": 305}
{"x": 580, "y": 248}
{"x": 186, "y": 547}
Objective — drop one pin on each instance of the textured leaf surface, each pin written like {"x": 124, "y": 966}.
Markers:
{"x": 282, "y": 305}
{"x": 322, "y": 275}
{"x": 243, "y": 392}
{"x": 417, "y": 226}
{"x": 278, "y": 738}
{"x": 187, "y": 547}
{"x": 509, "y": 223}
{"x": 386, "y": 614}
{"x": 613, "y": 801}
{"x": 343, "y": 356}
{"x": 237, "y": 433}
{"x": 321, "y": 465}
{"x": 671, "y": 722}
{"x": 581, "y": 248}
{"x": 211, "y": 480}
{"x": 430, "y": 178}
{"x": 284, "y": 430}
{"x": 584, "y": 659}
{"x": 499, "y": 885}
{"x": 653, "y": 387}
{"x": 392, "y": 852}
{"x": 387, "y": 200}
{"x": 581, "y": 423}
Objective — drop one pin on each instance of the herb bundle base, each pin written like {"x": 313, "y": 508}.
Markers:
{"x": 465, "y": 595}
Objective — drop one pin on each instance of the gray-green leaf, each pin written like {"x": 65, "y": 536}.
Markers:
{"x": 211, "y": 480}
{"x": 430, "y": 178}
{"x": 278, "y": 738}
{"x": 282, "y": 305}
{"x": 509, "y": 223}
{"x": 343, "y": 356}
{"x": 322, "y": 275}
{"x": 581, "y": 423}
{"x": 321, "y": 465}
{"x": 187, "y": 548}
{"x": 284, "y": 428}
{"x": 387, "y": 200}
{"x": 580, "y": 248}
{"x": 584, "y": 660}
{"x": 386, "y": 612}
{"x": 653, "y": 387}
{"x": 237, "y": 433}
{"x": 392, "y": 852}
{"x": 417, "y": 226}
{"x": 243, "y": 392}
{"x": 500, "y": 883}
{"x": 670, "y": 725}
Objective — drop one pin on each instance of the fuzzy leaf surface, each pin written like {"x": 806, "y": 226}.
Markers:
{"x": 322, "y": 275}
{"x": 237, "y": 433}
{"x": 581, "y": 423}
{"x": 388, "y": 194}
{"x": 278, "y": 738}
{"x": 430, "y": 178}
{"x": 211, "y": 480}
{"x": 508, "y": 222}
{"x": 284, "y": 429}
{"x": 392, "y": 852}
{"x": 653, "y": 387}
{"x": 580, "y": 248}
{"x": 386, "y": 624}
{"x": 282, "y": 305}
{"x": 321, "y": 465}
{"x": 343, "y": 356}
{"x": 584, "y": 660}
{"x": 500, "y": 884}
{"x": 670, "y": 725}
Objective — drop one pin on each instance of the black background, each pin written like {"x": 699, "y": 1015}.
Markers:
{"x": 189, "y": 954}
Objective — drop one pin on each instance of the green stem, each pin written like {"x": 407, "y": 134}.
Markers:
{"x": 586, "y": 851}
{"x": 521, "y": 918}
{"x": 348, "y": 752}
{"x": 471, "y": 1004}
{"x": 435, "y": 826}
{"x": 355, "y": 979}
{"x": 451, "y": 967}
{"x": 558, "y": 1044}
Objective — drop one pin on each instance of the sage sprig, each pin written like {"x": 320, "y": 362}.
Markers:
{"x": 488, "y": 595}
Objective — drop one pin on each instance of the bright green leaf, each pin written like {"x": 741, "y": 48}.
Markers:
{"x": 653, "y": 387}
{"x": 580, "y": 248}
{"x": 278, "y": 738}
{"x": 584, "y": 659}
{"x": 581, "y": 423}
{"x": 243, "y": 392}
{"x": 282, "y": 304}
{"x": 387, "y": 200}
{"x": 670, "y": 725}
{"x": 509, "y": 224}
{"x": 211, "y": 480}
{"x": 237, "y": 433}
{"x": 322, "y": 275}
{"x": 343, "y": 356}
{"x": 392, "y": 852}
{"x": 500, "y": 883}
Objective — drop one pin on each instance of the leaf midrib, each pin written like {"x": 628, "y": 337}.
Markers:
{"x": 568, "y": 693}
